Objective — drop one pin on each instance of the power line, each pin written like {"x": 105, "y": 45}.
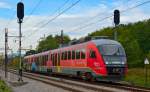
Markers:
{"x": 101, "y": 13}
{"x": 13, "y": 15}
{"x": 45, "y": 19}
{"x": 60, "y": 13}
{"x": 49, "y": 15}
{"x": 128, "y": 9}
{"x": 95, "y": 17}
{"x": 34, "y": 9}
{"x": 52, "y": 19}
{"x": 53, "y": 13}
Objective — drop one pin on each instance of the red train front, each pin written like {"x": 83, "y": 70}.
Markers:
{"x": 95, "y": 59}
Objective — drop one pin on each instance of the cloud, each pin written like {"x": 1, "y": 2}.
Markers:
{"x": 68, "y": 22}
{"x": 5, "y": 5}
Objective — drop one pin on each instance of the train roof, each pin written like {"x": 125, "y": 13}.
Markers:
{"x": 95, "y": 41}
{"x": 38, "y": 54}
{"x": 105, "y": 41}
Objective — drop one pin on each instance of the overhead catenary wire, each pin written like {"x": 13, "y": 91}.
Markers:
{"x": 126, "y": 10}
{"x": 45, "y": 19}
{"x": 97, "y": 15}
{"x": 52, "y": 19}
{"x": 130, "y": 8}
{"x": 85, "y": 22}
{"x": 49, "y": 15}
{"x": 12, "y": 16}
{"x": 33, "y": 10}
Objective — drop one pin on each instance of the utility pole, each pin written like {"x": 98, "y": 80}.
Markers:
{"x": 6, "y": 47}
{"x": 20, "y": 15}
{"x": 62, "y": 37}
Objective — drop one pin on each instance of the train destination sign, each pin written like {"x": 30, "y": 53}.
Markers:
{"x": 146, "y": 62}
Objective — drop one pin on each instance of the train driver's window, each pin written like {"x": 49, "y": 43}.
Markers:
{"x": 92, "y": 54}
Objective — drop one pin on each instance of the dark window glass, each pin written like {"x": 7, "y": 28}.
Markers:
{"x": 51, "y": 57}
{"x": 69, "y": 55}
{"x": 55, "y": 57}
{"x": 83, "y": 54}
{"x": 92, "y": 54}
{"x": 62, "y": 56}
{"x": 77, "y": 54}
{"x": 46, "y": 57}
{"x": 73, "y": 54}
{"x": 58, "y": 58}
{"x": 37, "y": 60}
{"x": 65, "y": 55}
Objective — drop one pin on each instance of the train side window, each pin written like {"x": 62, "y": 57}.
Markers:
{"x": 47, "y": 58}
{"x": 77, "y": 54}
{"x": 73, "y": 55}
{"x": 51, "y": 57}
{"x": 43, "y": 59}
{"x": 55, "y": 62}
{"x": 92, "y": 54}
{"x": 69, "y": 55}
{"x": 83, "y": 54}
{"x": 37, "y": 61}
{"x": 65, "y": 55}
{"x": 58, "y": 62}
{"x": 56, "y": 57}
{"x": 62, "y": 56}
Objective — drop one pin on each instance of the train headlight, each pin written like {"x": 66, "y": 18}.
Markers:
{"x": 107, "y": 62}
{"x": 123, "y": 63}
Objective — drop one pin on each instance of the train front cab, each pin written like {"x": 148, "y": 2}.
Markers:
{"x": 108, "y": 61}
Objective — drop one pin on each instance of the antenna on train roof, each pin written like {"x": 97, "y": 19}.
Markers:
{"x": 88, "y": 38}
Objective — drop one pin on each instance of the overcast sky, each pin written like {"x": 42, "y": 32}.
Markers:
{"x": 73, "y": 21}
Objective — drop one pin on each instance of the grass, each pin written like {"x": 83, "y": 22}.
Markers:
{"x": 4, "y": 87}
{"x": 136, "y": 76}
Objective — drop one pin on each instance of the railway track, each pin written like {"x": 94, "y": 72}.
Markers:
{"x": 76, "y": 85}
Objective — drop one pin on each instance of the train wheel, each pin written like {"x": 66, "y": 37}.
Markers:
{"x": 49, "y": 71}
{"x": 89, "y": 77}
{"x": 79, "y": 75}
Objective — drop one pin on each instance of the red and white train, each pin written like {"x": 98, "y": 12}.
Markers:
{"x": 95, "y": 59}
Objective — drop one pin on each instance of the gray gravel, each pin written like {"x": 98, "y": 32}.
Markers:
{"x": 29, "y": 85}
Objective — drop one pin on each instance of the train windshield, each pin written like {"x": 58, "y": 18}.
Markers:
{"x": 111, "y": 49}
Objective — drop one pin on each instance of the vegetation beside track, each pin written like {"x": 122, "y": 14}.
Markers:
{"x": 136, "y": 76}
{"x": 4, "y": 87}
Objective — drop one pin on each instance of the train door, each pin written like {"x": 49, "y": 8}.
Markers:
{"x": 92, "y": 58}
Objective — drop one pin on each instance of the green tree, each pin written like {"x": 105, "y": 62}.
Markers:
{"x": 51, "y": 43}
